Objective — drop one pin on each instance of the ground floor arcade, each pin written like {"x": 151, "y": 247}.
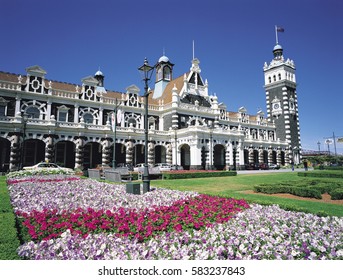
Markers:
{"x": 82, "y": 153}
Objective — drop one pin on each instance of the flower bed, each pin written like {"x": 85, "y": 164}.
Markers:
{"x": 38, "y": 172}
{"x": 261, "y": 232}
{"x": 87, "y": 219}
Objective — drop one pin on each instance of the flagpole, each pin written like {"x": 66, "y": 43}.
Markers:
{"x": 193, "y": 49}
{"x": 277, "y": 40}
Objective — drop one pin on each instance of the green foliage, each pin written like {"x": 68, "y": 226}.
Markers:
{"x": 9, "y": 241}
{"x": 325, "y": 160}
{"x": 322, "y": 174}
{"x": 302, "y": 188}
{"x": 298, "y": 191}
{"x": 337, "y": 194}
{"x": 187, "y": 175}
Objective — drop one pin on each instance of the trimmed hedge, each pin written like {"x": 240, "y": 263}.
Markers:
{"x": 337, "y": 194}
{"x": 322, "y": 167}
{"x": 187, "y": 175}
{"x": 298, "y": 191}
{"x": 324, "y": 174}
{"x": 312, "y": 189}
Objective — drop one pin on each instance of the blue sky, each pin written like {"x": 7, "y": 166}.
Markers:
{"x": 233, "y": 39}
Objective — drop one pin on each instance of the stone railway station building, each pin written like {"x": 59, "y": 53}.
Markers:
{"x": 71, "y": 124}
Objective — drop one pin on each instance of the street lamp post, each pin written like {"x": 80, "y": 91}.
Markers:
{"x": 318, "y": 143}
{"x": 146, "y": 71}
{"x": 234, "y": 150}
{"x": 175, "y": 139}
{"x": 114, "y": 127}
{"x": 25, "y": 118}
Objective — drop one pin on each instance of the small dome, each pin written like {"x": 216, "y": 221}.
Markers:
{"x": 163, "y": 59}
{"x": 277, "y": 47}
{"x": 99, "y": 73}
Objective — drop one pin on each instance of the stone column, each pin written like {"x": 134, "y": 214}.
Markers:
{"x": 129, "y": 152}
{"x": 169, "y": 156}
{"x": 270, "y": 155}
{"x": 240, "y": 153}
{"x": 151, "y": 152}
{"x": 106, "y": 152}
{"x": 49, "y": 148}
{"x": 288, "y": 156}
{"x": 48, "y": 110}
{"x": 227, "y": 156}
{"x": 251, "y": 155}
{"x": 79, "y": 153}
{"x": 17, "y": 105}
{"x": 278, "y": 156}
{"x": 76, "y": 113}
{"x": 15, "y": 153}
{"x": 260, "y": 155}
{"x": 207, "y": 158}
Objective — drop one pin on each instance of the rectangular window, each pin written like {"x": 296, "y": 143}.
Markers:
{"x": 2, "y": 111}
{"x": 62, "y": 116}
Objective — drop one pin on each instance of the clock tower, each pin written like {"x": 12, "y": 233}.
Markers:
{"x": 282, "y": 102}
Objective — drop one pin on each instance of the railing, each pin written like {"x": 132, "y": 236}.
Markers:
{"x": 66, "y": 94}
{"x": 196, "y": 108}
{"x": 9, "y": 85}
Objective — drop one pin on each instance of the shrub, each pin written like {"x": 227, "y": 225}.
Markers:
{"x": 197, "y": 174}
{"x": 298, "y": 191}
{"x": 324, "y": 174}
{"x": 305, "y": 192}
{"x": 337, "y": 194}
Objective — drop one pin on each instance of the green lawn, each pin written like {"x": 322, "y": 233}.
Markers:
{"x": 233, "y": 186}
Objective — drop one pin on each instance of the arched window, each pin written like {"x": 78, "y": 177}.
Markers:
{"x": 166, "y": 73}
{"x": 132, "y": 122}
{"x": 270, "y": 79}
{"x": 274, "y": 78}
{"x": 88, "y": 118}
{"x": 279, "y": 76}
{"x": 33, "y": 112}
{"x": 159, "y": 74}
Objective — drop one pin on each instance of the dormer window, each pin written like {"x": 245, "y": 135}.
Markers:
{"x": 167, "y": 73}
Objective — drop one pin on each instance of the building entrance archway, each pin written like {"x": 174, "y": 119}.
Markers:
{"x": 5, "y": 151}
{"x": 160, "y": 154}
{"x": 92, "y": 155}
{"x": 185, "y": 156}
{"x": 65, "y": 154}
{"x": 219, "y": 157}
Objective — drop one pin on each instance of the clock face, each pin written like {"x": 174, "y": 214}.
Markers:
{"x": 276, "y": 106}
